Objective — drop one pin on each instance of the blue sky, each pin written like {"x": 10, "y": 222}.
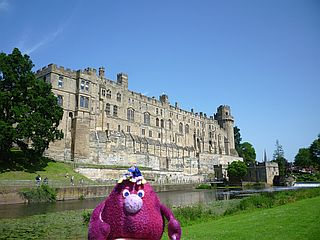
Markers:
{"x": 260, "y": 57}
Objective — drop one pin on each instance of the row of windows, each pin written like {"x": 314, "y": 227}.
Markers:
{"x": 108, "y": 110}
{"x": 107, "y": 94}
{"x": 84, "y": 85}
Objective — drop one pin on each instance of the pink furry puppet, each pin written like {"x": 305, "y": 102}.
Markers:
{"x": 132, "y": 211}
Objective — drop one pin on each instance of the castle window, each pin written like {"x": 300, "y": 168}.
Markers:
{"x": 150, "y": 133}
{"x": 187, "y": 129}
{"x": 159, "y": 135}
{"x": 115, "y": 110}
{"x": 198, "y": 132}
{"x": 128, "y": 129}
{"x": 108, "y": 93}
{"x": 82, "y": 85}
{"x": 161, "y": 112}
{"x": 60, "y": 81}
{"x": 87, "y": 86}
{"x": 157, "y": 110}
{"x": 84, "y": 102}
{"x": 162, "y": 123}
{"x": 108, "y": 109}
{"x": 130, "y": 114}
{"x": 157, "y": 122}
{"x": 103, "y": 92}
{"x": 119, "y": 128}
{"x": 119, "y": 97}
{"x": 143, "y": 131}
{"x": 180, "y": 128}
{"x": 210, "y": 134}
{"x": 60, "y": 100}
{"x": 170, "y": 124}
{"x": 146, "y": 118}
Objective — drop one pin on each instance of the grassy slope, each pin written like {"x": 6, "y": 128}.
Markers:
{"x": 299, "y": 220}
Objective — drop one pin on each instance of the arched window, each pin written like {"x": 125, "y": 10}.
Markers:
{"x": 115, "y": 110}
{"x": 187, "y": 129}
{"x": 157, "y": 122}
{"x": 170, "y": 124}
{"x": 180, "y": 128}
{"x": 146, "y": 118}
{"x": 108, "y": 95}
{"x": 162, "y": 123}
{"x": 107, "y": 109}
{"x": 119, "y": 97}
{"x": 130, "y": 114}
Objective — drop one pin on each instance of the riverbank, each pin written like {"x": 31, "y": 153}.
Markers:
{"x": 299, "y": 220}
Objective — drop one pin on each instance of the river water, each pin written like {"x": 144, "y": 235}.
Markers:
{"x": 175, "y": 198}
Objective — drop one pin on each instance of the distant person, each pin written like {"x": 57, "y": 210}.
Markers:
{"x": 38, "y": 180}
{"x": 72, "y": 180}
{"x": 45, "y": 181}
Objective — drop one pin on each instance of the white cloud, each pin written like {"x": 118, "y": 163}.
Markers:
{"x": 4, "y": 5}
{"x": 51, "y": 37}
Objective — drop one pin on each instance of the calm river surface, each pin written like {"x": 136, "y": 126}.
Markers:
{"x": 186, "y": 197}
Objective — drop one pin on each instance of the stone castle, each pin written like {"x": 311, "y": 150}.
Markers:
{"x": 107, "y": 124}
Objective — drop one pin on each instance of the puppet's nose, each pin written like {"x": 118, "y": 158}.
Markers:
{"x": 133, "y": 203}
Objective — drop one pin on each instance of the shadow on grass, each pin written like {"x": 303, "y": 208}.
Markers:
{"x": 20, "y": 161}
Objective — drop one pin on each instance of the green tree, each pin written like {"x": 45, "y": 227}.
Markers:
{"x": 248, "y": 153}
{"x": 278, "y": 157}
{"x": 315, "y": 152}
{"x": 237, "y": 138}
{"x": 30, "y": 114}
{"x": 237, "y": 169}
{"x": 303, "y": 158}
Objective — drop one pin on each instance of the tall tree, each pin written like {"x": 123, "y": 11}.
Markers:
{"x": 237, "y": 138}
{"x": 303, "y": 158}
{"x": 237, "y": 169}
{"x": 30, "y": 114}
{"x": 315, "y": 152}
{"x": 248, "y": 153}
{"x": 278, "y": 156}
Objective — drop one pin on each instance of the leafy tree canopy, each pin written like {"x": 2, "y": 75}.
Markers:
{"x": 278, "y": 156}
{"x": 29, "y": 115}
{"x": 237, "y": 169}
{"x": 248, "y": 153}
{"x": 303, "y": 158}
{"x": 237, "y": 138}
{"x": 315, "y": 152}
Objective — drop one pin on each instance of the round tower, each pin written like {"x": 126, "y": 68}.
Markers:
{"x": 226, "y": 121}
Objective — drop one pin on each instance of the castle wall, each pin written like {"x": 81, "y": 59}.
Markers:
{"x": 106, "y": 123}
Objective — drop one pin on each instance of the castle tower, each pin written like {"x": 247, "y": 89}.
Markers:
{"x": 122, "y": 79}
{"x": 225, "y": 120}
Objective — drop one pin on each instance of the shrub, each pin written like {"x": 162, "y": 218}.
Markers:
{"x": 86, "y": 215}
{"x": 44, "y": 193}
{"x": 204, "y": 186}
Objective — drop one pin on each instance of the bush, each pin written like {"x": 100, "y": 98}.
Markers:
{"x": 204, "y": 186}
{"x": 44, "y": 193}
{"x": 86, "y": 215}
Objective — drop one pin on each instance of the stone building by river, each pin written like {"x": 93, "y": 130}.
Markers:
{"x": 106, "y": 123}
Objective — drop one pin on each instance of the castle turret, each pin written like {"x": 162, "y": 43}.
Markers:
{"x": 225, "y": 120}
{"x": 122, "y": 79}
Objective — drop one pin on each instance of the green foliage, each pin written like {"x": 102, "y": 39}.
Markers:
{"x": 44, "y": 193}
{"x": 307, "y": 177}
{"x": 248, "y": 153}
{"x": 30, "y": 114}
{"x": 278, "y": 157}
{"x": 86, "y": 215}
{"x": 237, "y": 138}
{"x": 303, "y": 158}
{"x": 237, "y": 169}
{"x": 204, "y": 186}
{"x": 315, "y": 152}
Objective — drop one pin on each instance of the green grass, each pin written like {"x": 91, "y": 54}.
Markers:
{"x": 298, "y": 220}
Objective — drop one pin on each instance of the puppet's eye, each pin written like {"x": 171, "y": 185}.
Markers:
{"x": 125, "y": 193}
{"x": 141, "y": 193}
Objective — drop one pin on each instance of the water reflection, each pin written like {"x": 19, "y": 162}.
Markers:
{"x": 173, "y": 198}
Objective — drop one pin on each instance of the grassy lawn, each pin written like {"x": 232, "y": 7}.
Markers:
{"x": 299, "y": 220}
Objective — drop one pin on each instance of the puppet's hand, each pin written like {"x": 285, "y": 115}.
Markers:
{"x": 174, "y": 229}
{"x": 98, "y": 229}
